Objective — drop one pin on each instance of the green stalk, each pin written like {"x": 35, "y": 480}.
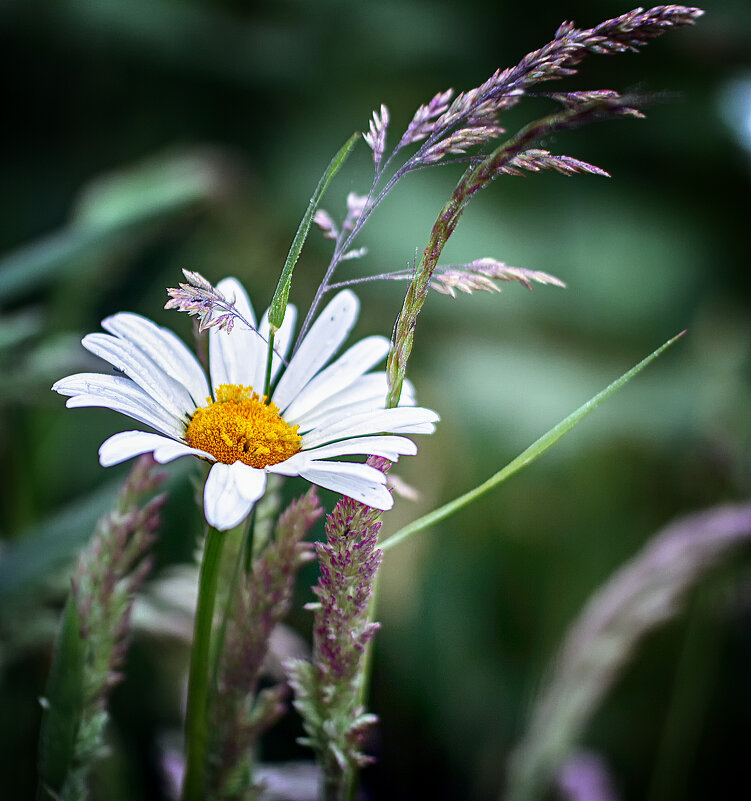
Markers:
{"x": 269, "y": 360}
{"x": 536, "y": 449}
{"x": 216, "y": 655}
{"x": 196, "y": 719}
{"x": 279, "y": 301}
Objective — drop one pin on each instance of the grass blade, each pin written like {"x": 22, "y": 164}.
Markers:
{"x": 279, "y": 301}
{"x": 526, "y": 457}
{"x": 115, "y": 211}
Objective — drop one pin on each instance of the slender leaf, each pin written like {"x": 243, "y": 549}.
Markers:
{"x": 279, "y": 301}
{"x": 526, "y": 457}
{"x": 62, "y": 706}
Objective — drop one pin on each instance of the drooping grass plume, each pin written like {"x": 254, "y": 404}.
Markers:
{"x": 479, "y": 274}
{"x": 511, "y": 156}
{"x": 449, "y": 126}
{"x": 641, "y": 595}
{"x": 447, "y": 130}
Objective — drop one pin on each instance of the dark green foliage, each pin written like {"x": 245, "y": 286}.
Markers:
{"x": 62, "y": 704}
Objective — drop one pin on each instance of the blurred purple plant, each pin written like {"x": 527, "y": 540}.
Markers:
{"x": 111, "y": 571}
{"x": 585, "y": 777}
{"x": 645, "y": 592}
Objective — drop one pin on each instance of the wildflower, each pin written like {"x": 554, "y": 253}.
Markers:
{"x": 316, "y": 411}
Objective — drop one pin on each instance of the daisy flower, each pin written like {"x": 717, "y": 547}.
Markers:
{"x": 319, "y": 409}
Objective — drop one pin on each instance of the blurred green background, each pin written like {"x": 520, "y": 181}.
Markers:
{"x": 146, "y": 136}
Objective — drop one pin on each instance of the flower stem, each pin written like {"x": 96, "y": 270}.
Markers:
{"x": 196, "y": 719}
{"x": 216, "y": 656}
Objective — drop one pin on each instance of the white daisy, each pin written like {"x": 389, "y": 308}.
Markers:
{"x": 316, "y": 411}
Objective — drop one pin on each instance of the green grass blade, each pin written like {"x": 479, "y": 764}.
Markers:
{"x": 526, "y": 457}
{"x": 62, "y": 706}
{"x": 279, "y": 301}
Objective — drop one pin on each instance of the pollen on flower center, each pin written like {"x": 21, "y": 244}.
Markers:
{"x": 240, "y": 426}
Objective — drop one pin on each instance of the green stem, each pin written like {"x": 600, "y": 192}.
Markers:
{"x": 216, "y": 656}
{"x": 269, "y": 359}
{"x": 536, "y": 449}
{"x": 196, "y": 720}
{"x": 334, "y": 787}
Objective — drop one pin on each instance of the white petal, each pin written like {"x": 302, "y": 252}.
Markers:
{"x": 338, "y": 413}
{"x": 282, "y": 341}
{"x": 121, "y": 395}
{"x": 370, "y": 389}
{"x": 126, "y": 356}
{"x": 233, "y": 356}
{"x": 323, "y": 340}
{"x": 367, "y": 393}
{"x": 338, "y": 376}
{"x": 402, "y": 420}
{"x": 127, "y": 444}
{"x": 358, "y": 481}
{"x": 165, "y": 348}
{"x": 389, "y": 447}
{"x": 231, "y": 491}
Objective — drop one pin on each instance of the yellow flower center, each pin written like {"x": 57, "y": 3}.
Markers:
{"x": 240, "y": 426}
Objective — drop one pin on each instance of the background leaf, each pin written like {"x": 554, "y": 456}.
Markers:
{"x": 62, "y": 706}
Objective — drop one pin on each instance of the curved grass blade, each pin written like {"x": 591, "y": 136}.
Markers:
{"x": 279, "y": 301}
{"x": 526, "y": 457}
